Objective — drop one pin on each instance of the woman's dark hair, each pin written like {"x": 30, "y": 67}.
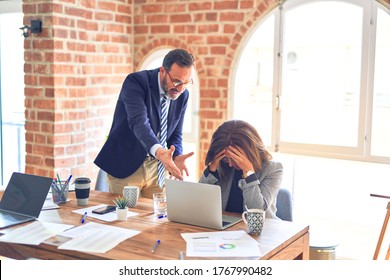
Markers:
{"x": 179, "y": 56}
{"x": 241, "y": 134}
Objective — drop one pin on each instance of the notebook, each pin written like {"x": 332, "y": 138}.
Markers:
{"x": 196, "y": 204}
{"x": 23, "y": 198}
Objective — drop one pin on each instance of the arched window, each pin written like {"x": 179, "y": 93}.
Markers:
{"x": 313, "y": 79}
{"x": 191, "y": 122}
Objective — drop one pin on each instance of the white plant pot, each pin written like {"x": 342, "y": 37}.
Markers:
{"x": 121, "y": 214}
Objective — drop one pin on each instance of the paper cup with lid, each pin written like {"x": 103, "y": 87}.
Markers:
{"x": 82, "y": 185}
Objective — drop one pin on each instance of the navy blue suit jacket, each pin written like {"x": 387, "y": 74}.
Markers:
{"x": 136, "y": 124}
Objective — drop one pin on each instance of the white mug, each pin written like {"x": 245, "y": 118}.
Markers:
{"x": 131, "y": 193}
{"x": 254, "y": 219}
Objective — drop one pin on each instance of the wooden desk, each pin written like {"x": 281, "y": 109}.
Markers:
{"x": 279, "y": 240}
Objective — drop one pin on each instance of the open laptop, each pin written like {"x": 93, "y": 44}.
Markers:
{"x": 196, "y": 204}
{"x": 23, "y": 198}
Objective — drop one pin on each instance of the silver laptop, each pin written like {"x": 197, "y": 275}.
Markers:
{"x": 196, "y": 204}
{"x": 23, "y": 198}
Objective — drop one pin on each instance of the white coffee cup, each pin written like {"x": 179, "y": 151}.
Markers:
{"x": 82, "y": 187}
{"x": 131, "y": 193}
{"x": 254, "y": 219}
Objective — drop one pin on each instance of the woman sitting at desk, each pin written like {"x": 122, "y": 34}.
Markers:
{"x": 238, "y": 162}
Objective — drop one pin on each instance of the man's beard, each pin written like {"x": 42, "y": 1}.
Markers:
{"x": 167, "y": 91}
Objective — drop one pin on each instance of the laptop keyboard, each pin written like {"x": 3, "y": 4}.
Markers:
{"x": 12, "y": 216}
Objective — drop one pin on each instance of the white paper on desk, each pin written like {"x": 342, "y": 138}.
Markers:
{"x": 34, "y": 233}
{"x": 221, "y": 244}
{"x": 108, "y": 217}
{"x": 49, "y": 204}
{"x": 95, "y": 238}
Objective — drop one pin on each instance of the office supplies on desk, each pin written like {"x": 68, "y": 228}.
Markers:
{"x": 221, "y": 244}
{"x": 49, "y": 204}
{"x": 104, "y": 210}
{"x": 108, "y": 217}
{"x": 156, "y": 245}
{"x": 82, "y": 188}
{"x": 23, "y": 198}
{"x": 94, "y": 237}
{"x": 196, "y": 204}
{"x": 68, "y": 180}
{"x": 59, "y": 192}
{"x": 59, "y": 179}
{"x": 34, "y": 233}
{"x": 84, "y": 218}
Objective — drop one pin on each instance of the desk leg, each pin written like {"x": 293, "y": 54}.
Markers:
{"x": 306, "y": 248}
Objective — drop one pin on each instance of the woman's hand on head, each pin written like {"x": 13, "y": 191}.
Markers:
{"x": 215, "y": 163}
{"x": 240, "y": 158}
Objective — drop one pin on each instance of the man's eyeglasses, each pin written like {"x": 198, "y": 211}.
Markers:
{"x": 179, "y": 83}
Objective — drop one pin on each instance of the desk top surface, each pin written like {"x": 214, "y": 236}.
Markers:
{"x": 275, "y": 236}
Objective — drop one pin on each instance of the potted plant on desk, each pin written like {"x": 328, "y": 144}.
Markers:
{"x": 121, "y": 208}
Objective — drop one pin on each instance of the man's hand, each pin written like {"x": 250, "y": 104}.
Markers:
{"x": 180, "y": 163}
{"x": 165, "y": 156}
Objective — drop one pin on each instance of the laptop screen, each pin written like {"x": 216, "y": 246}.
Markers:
{"x": 25, "y": 194}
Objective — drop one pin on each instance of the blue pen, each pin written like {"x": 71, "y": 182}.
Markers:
{"x": 155, "y": 246}
{"x": 161, "y": 216}
{"x": 84, "y": 218}
{"x": 68, "y": 181}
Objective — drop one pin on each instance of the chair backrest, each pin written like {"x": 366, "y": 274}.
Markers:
{"x": 284, "y": 205}
{"x": 102, "y": 182}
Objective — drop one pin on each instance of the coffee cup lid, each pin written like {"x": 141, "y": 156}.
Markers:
{"x": 82, "y": 180}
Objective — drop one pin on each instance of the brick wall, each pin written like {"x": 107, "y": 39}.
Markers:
{"x": 75, "y": 68}
{"x": 73, "y": 73}
{"x": 213, "y": 32}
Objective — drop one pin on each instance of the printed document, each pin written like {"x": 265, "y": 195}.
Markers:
{"x": 34, "y": 233}
{"x": 221, "y": 244}
{"x": 95, "y": 238}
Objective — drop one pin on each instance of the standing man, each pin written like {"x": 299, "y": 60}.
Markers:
{"x": 142, "y": 137}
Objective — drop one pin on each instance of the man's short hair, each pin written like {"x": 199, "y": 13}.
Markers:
{"x": 179, "y": 56}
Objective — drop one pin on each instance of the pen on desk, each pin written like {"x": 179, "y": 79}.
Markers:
{"x": 161, "y": 216}
{"x": 84, "y": 218}
{"x": 155, "y": 246}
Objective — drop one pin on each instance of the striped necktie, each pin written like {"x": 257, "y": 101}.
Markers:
{"x": 163, "y": 140}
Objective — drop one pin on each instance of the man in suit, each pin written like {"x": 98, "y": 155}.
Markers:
{"x": 132, "y": 150}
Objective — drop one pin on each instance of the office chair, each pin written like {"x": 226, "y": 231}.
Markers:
{"x": 102, "y": 182}
{"x": 284, "y": 205}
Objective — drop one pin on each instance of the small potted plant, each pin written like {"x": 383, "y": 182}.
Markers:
{"x": 121, "y": 207}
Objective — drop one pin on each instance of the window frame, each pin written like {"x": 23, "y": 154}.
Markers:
{"x": 362, "y": 151}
